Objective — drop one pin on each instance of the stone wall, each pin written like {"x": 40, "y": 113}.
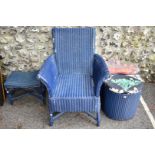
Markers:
{"x": 25, "y": 48}
{"x": 131, "y": 44}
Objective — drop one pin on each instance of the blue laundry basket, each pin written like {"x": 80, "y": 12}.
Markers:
{"x": 119, "y": 106}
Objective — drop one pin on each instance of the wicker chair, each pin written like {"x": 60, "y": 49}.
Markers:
{"x": 74, "y": 74}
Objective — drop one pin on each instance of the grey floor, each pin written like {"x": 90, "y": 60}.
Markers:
{"x": 29, "y": 113}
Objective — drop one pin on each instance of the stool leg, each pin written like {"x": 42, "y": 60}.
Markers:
{"x": 44, "y": 99}
{"x": 98, "y": 119}
{"x": 43, "y": 92}
{"x": 51, "y": 121}
{"x": 10, "y": 97}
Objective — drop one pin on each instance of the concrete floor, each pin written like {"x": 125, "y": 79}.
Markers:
{"x": 29, "y": 113}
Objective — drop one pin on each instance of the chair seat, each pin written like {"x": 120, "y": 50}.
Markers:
{"x": 74, "y": 86}
{"x": 74, "y": 93}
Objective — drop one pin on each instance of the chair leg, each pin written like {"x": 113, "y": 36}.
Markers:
{"x": 98, "y": 119}
{"x": 51, "y": 120}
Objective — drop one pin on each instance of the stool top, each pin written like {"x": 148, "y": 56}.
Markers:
{"x": 18, "y": 79}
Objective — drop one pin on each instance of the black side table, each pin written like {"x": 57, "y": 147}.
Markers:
{"x": 19, "y": 84}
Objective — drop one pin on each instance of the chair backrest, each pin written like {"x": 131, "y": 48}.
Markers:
{"x": 74, "y": 49}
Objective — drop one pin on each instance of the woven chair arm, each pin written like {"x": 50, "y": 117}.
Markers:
{"x": 100, "y": 73}
{"x": 48, "y": 74}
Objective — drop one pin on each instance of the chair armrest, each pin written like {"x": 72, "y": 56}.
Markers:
{"x": 48, "y": 74}
{"x": 100, "y": 73}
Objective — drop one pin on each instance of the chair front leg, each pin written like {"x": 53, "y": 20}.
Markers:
{"x": 51, "y": 119}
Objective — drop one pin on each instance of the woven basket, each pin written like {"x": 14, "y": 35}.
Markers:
{"x": 119, "y": 106}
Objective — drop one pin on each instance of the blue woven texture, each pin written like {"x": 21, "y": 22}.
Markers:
{"x": 69, "y": 75}
{"x": 74, "y": 48}
{"x": 48, "y": 74}
{"x": 74, "y": 92}
{"x": 120, "y": 106}
{"x": 100, "y": 73}
{"x": 18, "y": 79}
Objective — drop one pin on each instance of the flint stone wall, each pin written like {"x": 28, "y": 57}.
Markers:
{"x": 26, "y": 48}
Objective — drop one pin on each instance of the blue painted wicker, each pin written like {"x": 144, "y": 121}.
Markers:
{"x": 119, "y": 106}
{"x": 26, "y": 82}
{"x": 73, "y": 75}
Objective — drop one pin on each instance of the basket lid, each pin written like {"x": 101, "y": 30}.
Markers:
{"x": 124, "y": 84}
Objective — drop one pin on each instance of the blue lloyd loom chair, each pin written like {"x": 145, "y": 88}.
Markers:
{"x": 74, "y": 74}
